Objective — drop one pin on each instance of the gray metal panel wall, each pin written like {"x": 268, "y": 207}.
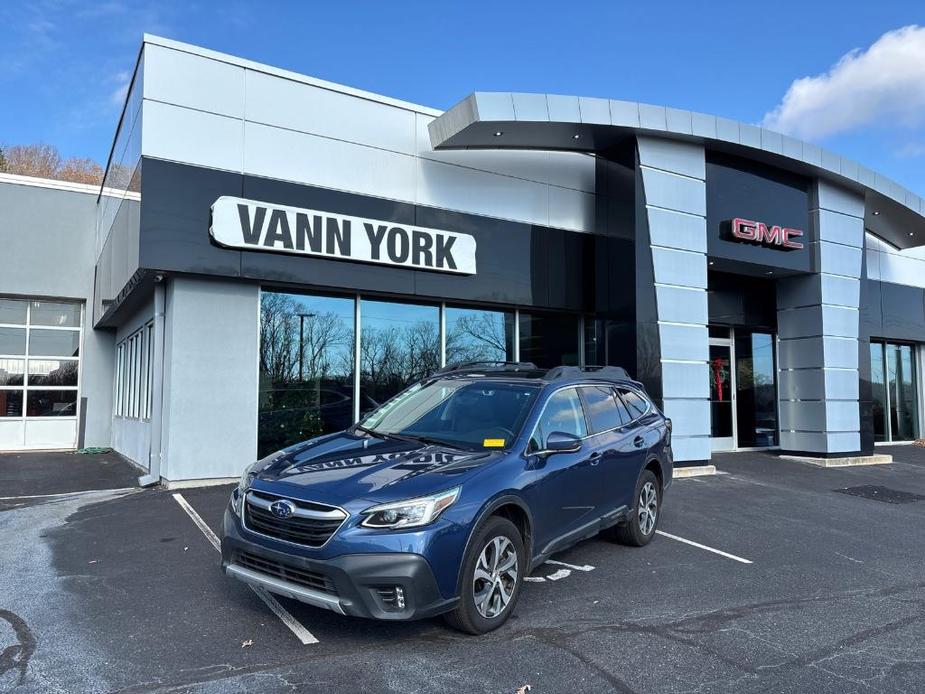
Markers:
{"x": 211, "y": 376}
{"x": 48, "y": 237}
{"x": 675, "y": 195}
{"x": 818, "y": 322}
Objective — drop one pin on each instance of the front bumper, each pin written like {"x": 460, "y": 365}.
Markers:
{"x": 359, "y": 585}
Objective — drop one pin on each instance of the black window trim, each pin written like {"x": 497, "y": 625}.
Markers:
{"x": 594, "y": 384}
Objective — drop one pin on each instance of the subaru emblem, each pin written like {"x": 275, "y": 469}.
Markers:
{"x": 282, "y": 508}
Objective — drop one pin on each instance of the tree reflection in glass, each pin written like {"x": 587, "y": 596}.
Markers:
{"x": 473, "y": 335}
{"x": 399, "y": 344}
{"x": 306, "y": 368}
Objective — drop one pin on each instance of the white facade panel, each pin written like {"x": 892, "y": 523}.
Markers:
{"x": 674, "y": 192}
{"x": 320, "y": 161}
{"x": 466, "y": 190}
{"x": 192, "y": 137}
{"x": 183, "y": 79}
{"x": 272, "y": 100}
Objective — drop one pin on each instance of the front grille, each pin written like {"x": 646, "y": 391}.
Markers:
{"x": 303, "y": 577}
{"x": 310, "y": 532}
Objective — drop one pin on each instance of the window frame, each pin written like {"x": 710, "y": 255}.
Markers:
{"x": 539, "y": 416}
{"x": 28, "y": 358}
{"x": 133, "y": 385}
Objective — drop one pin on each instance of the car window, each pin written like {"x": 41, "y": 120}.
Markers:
{"x": 563, "y": 413}
{"x": 636, "y": 404}
{"x": 467, "y": 413}
{"x": 603, "y": 408}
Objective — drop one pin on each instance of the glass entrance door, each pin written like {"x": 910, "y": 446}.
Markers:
{"x": 743, "y": 389}
{"x": 722, "y": 394}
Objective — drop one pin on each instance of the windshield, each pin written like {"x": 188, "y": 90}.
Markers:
{"x": 465, "y": 414}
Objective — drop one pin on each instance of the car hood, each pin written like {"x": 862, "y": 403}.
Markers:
{"x": 342, "y": 467}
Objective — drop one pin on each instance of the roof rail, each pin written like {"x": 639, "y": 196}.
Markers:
{"x": 617, "y": 373}
{"x": 487, "y": 365}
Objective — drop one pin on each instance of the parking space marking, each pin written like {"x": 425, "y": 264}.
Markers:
{"x": 301, "y": 633}
{"x": 559, "y": 574}
{"x": 700, "y": 546}
{"x": 583, "y": 567}
{"x": 55, "y": 496}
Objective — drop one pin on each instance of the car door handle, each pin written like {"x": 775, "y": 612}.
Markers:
{"x": 638, "y": 441}
{"x": 595, "y": 457}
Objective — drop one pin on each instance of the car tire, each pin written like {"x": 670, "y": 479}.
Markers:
{"x": 496, "y": 580}
{"x": 639, "y": 528}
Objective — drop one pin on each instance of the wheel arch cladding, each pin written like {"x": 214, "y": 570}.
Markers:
{"x": 656, "y": 467}
{"x": 510, "y": 507}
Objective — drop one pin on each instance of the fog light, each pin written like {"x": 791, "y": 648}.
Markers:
{"x": 399, "y": 597}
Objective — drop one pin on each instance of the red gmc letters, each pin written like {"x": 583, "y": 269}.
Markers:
{"x": 759, "y": 232}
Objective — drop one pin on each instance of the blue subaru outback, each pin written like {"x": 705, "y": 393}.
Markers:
{"x": 445, "y": 497}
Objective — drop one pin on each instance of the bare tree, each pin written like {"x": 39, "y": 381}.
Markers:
{"x": 45, "y": 161}
{"x": 477, "y": 337}
{"x": 81, "y": 170}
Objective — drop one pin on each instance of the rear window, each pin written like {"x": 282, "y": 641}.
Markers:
{"x": 603, "y": 408}
{"x": 636, "y": 404}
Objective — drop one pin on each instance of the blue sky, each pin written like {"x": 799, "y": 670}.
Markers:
{"x": 64, "y": 63}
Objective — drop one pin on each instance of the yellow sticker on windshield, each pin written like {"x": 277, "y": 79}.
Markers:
{"x": 493, "y": 443}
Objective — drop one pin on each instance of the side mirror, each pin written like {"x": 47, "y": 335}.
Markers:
{"x": 560, "y": 442}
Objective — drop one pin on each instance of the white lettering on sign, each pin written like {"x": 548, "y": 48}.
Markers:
{"x": 260, "y": 226}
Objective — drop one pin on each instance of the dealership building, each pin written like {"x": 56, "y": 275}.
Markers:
{"x": 271, "y": 255}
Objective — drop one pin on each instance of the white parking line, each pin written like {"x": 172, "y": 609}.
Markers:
{"x": 700, "y": 546}
{"x": 583, "y": 567}
{"x": 301, "y": 633}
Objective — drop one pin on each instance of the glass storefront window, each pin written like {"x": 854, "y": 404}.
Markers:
{"x": 399, "y": 344}
{"x": 901, "y": 380}
{"x": 894, "y": 392}
{"x": 549, "y": 339}
{"x": 306, "y": 368}
{"x": 13, "y": 341}
{"x": 51, "y": 403}
{"x": 308, "y": 349}
{"x": 55, "y": 313}
{"x": 11, "y": 402}
{"x": 878, "y": 391}
{"x": 474, "y": 335}
{"x": 54, "y": 343}
{"x": 756, "y": 390}
{"x": 720, "y": 391}
{"x": 13, "y": 311}
{"x": 12, "y": 372}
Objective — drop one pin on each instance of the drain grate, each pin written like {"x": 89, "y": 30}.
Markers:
{"x": 884, "y": 494}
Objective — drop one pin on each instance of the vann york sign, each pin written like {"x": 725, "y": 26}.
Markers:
{"x": 783, "y": 238}
{"x": 260, "y": 226}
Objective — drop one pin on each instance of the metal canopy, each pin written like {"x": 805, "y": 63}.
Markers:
{"x": 510, "y": 120}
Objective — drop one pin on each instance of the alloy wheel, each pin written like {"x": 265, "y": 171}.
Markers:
{"x": 495, "y": 577}
{"x": 648, "y": 508}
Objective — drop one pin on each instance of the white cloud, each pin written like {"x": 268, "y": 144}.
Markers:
{"x": 883, "y": 85}
{"x": 910, "y": 150}
{"x": 121, "y": 79}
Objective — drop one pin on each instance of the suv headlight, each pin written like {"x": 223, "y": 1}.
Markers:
{"x": 411, "y": 513}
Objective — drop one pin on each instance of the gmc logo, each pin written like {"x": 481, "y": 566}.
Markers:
{"x": 759, "y": 232}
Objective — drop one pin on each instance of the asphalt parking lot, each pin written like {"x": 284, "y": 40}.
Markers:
{"x": 795, "y": 587}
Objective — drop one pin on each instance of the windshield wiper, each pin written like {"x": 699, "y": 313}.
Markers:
{"x": 372, "y": 432}
{"x": 430, "y": 440}
{"x": 411, "y": 438}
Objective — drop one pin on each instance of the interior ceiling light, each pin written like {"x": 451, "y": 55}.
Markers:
{"x": 876, "y": 212}
{"x": 498, "y": 133}
{"x": 576, "y": 136}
